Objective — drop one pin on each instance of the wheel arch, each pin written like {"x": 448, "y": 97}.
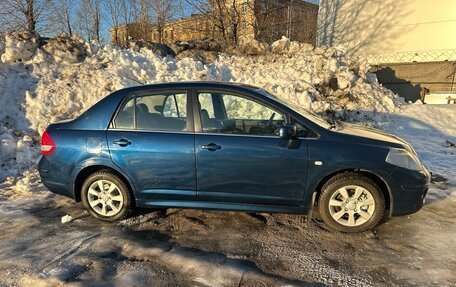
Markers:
{"x": 380, "y": 181}
{"x": 88, "y": 170}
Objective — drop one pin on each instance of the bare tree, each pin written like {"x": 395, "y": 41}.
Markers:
{"x": 126, "y": 12}
{"x": 114, "y": 9}
{"x": 24, "y": 14}
{"x": 130, "y": 19}
{"x": 217, "y": 12}
{"x": 63, "y": 14}
{"x": 142, "y": 16}
{"x": 224, "y": 15}
{"x": 164, "y": 12}
{"x": 121, "y": 12}
{"x": 235, "y": 16}
{"x": 260, "y": 20}
{"x": 90, "y": 18}
{"x": 126, "y": 15}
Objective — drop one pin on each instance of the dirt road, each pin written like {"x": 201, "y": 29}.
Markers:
{"x": 202, "y": 248}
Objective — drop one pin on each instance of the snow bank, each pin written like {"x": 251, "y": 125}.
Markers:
{"x": 20, "y": 46}
{"x": 281, "y": 46}
{"x": 66, "y": 49}
{"x": 250, "y": 46}
{"x": 67, "y": 75}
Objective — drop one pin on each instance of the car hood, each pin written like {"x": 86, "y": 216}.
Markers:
{"x": 374, "y": 136}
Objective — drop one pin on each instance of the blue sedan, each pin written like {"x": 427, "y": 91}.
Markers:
{"x": 227, "y": 146}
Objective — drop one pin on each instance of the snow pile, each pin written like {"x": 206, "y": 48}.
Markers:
{"x": 66, "y": 218}
{"x": 320, "y": 79}
{"x": 250, "y": 46}
{"x": 66, "y": 49}
{"x": 157, "y": 48}
{"x": 281, "y": 46}
{"x": 202, "y": 45}
{"x": 20, "y": 46}
{"x": 66, "y": 76}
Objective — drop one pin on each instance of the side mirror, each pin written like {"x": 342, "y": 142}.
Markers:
{"x": 287, "y": 132}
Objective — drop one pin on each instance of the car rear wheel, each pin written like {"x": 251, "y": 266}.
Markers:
{"x": 106, "y": 196}
{"x": 351, "y": 202}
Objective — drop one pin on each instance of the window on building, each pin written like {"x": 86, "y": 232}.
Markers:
{"x": 264, "y": 6}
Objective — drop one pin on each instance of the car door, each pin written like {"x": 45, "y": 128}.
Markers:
{"x": 151, "y": 139}
{"x": 239, "y": 155}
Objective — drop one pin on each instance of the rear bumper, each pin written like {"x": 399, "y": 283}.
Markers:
{"x": 55, "y": 177}
{"x": 409, "y": 190}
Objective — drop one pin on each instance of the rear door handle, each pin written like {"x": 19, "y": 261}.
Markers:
{"x": 211, "y": 147}
{"x": 122, "y": 142}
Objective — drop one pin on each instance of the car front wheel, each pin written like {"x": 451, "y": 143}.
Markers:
{"x": 351, "y": 202}
{"x": 106, "y": 196}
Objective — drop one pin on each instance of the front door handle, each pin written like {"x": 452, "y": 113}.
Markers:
{"x": 211, "y": 147}
{"x": 122, "y": 142}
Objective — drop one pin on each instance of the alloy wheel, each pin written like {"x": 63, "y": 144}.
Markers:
{"x": 105, "y": 198}
{"x": 351, "y": 205}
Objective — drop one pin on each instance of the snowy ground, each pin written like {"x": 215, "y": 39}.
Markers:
{"x": 198, "y": 248}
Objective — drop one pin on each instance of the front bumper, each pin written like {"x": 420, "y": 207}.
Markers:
{"x": 409, "y": 189}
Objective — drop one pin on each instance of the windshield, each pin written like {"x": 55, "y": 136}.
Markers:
{"x": 311, "y": 116}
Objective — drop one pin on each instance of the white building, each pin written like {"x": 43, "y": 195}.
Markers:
{"x": 390, "y": 31}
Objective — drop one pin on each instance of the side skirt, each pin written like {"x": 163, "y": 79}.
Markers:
{"x": 223, "y": 206}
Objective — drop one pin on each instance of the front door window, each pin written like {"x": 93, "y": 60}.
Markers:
{"x": 231, "y": 114}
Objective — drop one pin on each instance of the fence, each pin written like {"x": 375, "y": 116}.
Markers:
{"x": 412, "y": 56}
{"x": 411, "y": 80}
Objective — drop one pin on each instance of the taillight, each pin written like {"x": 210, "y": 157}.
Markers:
{"x": 47, "y": 144}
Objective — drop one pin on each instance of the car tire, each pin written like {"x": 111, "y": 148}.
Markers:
{"x": 106, "y": 196}
{"x": 351, "y": 202}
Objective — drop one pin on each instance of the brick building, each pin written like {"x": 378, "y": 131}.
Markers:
{"x": 264, "y": 20}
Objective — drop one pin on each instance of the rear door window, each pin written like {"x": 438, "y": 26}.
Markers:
{"x": 126, "y": 117}
{"x": 175, "y": 106}
{"x": 157, "y": 112}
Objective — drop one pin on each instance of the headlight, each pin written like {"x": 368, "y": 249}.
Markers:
{"x": 403, "y": 158}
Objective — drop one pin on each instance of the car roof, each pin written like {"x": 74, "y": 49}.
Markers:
{"x": 195, "y": 84}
